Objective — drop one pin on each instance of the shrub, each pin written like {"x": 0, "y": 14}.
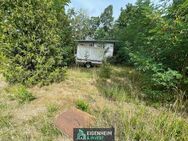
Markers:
{"x": 105, "y": 71}
{"x": 34, "y": 37}
{"x": 160, "y": 76}
{"x": 82, "y": 105}
{"x": 168, "y": 79}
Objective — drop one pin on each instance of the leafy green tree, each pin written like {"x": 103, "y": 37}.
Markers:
{"x": 155, "y": 40}
{"x": 34, "y": 37}
{"x": 107, "y": 18}
{"x": 133, "y": 29}
{"x": 171, "y": 38}
{"x": 80, "y": 23}
{"x": 94, "y": 26}
{"x": 83, "y": 26}
{"x": 105, "y": 30}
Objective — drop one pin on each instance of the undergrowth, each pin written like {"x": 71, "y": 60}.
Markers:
{"x": 129, "y": 85}
{"x": 141, "y": 124}
{"x": 82, "y": 105}
{"x": 19, "y": 93}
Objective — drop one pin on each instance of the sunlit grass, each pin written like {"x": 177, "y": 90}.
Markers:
{"x": 117, "y": 102}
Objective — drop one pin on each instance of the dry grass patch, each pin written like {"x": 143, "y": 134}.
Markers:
{"x": 34, "y": 120}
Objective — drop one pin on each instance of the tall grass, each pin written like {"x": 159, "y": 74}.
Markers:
{"x": 105, "y": 71}
{"x": 141, "y": 124}
{"x": 126, "y": 84}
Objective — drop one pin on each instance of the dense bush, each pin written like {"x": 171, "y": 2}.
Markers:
{"x": 34, "y": 38}
{"x": 154, "y": 40}
{"x": 160, "y": 76}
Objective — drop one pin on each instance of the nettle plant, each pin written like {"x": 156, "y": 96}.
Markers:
{"x": 160, "y": 76}
{"x": 168, "y": 79}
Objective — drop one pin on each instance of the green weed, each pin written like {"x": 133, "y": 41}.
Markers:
{"x": 5, "y": 121}
{"x": 20, "y": 93}
{"x": 105, "y": 71}
{"x": 52, "y": 108}
{"x": 82, "y": 105}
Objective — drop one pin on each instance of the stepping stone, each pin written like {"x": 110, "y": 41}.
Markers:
{"x": 73, "y": 118}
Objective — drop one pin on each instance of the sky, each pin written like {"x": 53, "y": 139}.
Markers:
{"x": 96, "y": 7}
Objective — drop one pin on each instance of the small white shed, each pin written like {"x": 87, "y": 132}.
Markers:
{"x": 92, "y": 52}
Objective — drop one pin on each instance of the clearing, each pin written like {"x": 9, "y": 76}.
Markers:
{"x": 132, "y": 118}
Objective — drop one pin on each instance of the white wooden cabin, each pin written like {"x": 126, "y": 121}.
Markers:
{"x": 93, "y": 52}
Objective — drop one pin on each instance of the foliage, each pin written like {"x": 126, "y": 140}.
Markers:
{"x": 105, "y": 30}
{"x": 20, "y": 93}
{"x": 82, "y": 105}
{"x": 161, "y": 77}
{"x": 132, "y": 28}
{"x": 34, "y": 37}
{"x": 105, "y": 70}
{"x": 80, "y": 23}
{"x": 154, "y": 40}
{"x": 94, "y": 25}
{"x": 167, "y": 79}
{"x": 85, "y": 27}
{"x": 129, "y": 85}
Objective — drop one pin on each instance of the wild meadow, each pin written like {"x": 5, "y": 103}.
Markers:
{"x": 142, "y": 91}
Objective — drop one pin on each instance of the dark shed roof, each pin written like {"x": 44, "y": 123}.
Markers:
{"x": 96, "y": 41}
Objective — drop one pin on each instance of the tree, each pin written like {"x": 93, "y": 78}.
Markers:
{"x": 106, "y": 24}
{"x": 107, "y": 18}
{"x": 34, "y": 37}
{"x": 155, "y": 41}
{"x": 134, "y": 26}
{"x": 94, "y": 26}
{"x": 84, "y": 26}
{"x": 80, "y": 23}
